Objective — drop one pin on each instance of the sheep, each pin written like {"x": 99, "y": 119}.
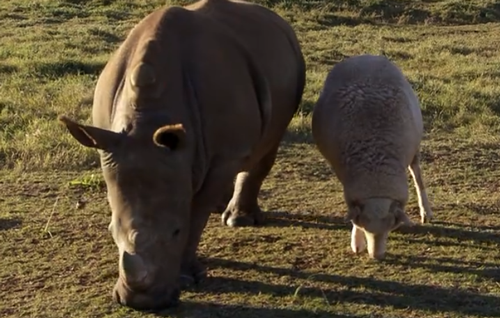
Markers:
{"x": 367, "y": 124}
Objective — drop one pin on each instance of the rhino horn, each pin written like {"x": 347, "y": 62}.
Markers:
{"x": 143, "y": 75}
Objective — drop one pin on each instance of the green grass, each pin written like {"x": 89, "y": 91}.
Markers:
{"x": 57, "y": 260}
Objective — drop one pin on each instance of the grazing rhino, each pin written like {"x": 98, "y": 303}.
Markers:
{"x": 194, "y": 98}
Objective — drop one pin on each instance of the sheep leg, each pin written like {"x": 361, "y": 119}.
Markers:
{"x": 423, "y": 201}
{"x": 358, "y": 243}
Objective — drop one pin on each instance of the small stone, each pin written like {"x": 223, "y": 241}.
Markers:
{"x": 80, "y": 204}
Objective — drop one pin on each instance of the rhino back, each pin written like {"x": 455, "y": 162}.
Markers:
{"x": 181, "y": 46}
{"x": 112, "y": 92}
{"x": 272, "y": 44}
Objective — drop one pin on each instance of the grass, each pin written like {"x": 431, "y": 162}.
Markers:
{"x": 57, "y": 260}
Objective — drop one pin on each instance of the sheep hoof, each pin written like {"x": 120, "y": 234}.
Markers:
{"x": 426, "y": 217}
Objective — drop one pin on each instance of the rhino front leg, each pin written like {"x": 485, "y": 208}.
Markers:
{"x": 243, "y": 209}
{"x": 192, "y": 270}
{"x": 228, "y": 194}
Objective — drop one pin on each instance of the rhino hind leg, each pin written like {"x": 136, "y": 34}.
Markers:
{"x": 243, "y": 209}
{"x": 193, "y": 274}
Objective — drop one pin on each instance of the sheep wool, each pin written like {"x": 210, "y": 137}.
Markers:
{"x": 368, "y": 125}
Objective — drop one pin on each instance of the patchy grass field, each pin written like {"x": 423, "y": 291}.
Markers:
{"x": 59, "y": 261}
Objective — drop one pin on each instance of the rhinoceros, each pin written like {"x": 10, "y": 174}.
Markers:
{"x": 193, "y": 99}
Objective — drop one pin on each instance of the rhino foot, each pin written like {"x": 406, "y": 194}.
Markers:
{"x": 233, "y": 218}
{"x": 193, "y": 274}
{"x": 223, "y": 204}
{"x": 220, "y": 208}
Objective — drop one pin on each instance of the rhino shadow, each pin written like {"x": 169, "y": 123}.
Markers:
{"x": 383, "y": 293}
{"x": 7, "y": 224}
{"x": 189, "y": 309}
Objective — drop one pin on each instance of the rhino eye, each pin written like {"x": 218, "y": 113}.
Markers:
{"x": 176, "y": 233}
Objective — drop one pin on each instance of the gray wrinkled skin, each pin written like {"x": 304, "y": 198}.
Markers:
{"x": 193, "y": 99}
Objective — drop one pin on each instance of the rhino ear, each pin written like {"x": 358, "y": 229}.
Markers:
{"x": 90, "y": 136}
{"x": 170, "y": 136}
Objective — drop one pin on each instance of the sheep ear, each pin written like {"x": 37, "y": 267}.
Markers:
{"x": 353, "y": 214}
{"x": 400, "y": 215}
{"x": 402, "y": 218}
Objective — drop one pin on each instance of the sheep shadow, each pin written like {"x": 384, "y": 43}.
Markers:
{"x": 306, "y": 221}
{"x": 481, "y": 269}
{"x": 7, "y": 224}
{"x": 458, "y": 232}
{"x": 383, "y": 293}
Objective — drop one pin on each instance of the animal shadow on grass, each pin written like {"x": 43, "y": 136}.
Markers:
{"x": 7, "y": 224}
{"x": 69, "y": 67}
{"x": 108, "y": 37}
{"x": 307, "y": 221}
{"x": 211, "y": 310}
{"x": 462, "y": 234}
{"x": 437, "y": 229}
{"x": 7, "y": 69}
{"x": 449, "y": 265}
{"x": 383, "y": 293}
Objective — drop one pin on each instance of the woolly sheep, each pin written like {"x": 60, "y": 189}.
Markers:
{"x": 367, "y": 123}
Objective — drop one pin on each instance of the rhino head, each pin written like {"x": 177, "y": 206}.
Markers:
{"x": 147, "y": 175}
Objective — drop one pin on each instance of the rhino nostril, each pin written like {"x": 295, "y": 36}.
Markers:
{"x": 116, "y": 296}
{"x": 134, "y": 269}
{"x": 176, "y": 233}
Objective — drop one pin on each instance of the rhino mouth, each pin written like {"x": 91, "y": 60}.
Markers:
{"x": 146, "y": 300}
